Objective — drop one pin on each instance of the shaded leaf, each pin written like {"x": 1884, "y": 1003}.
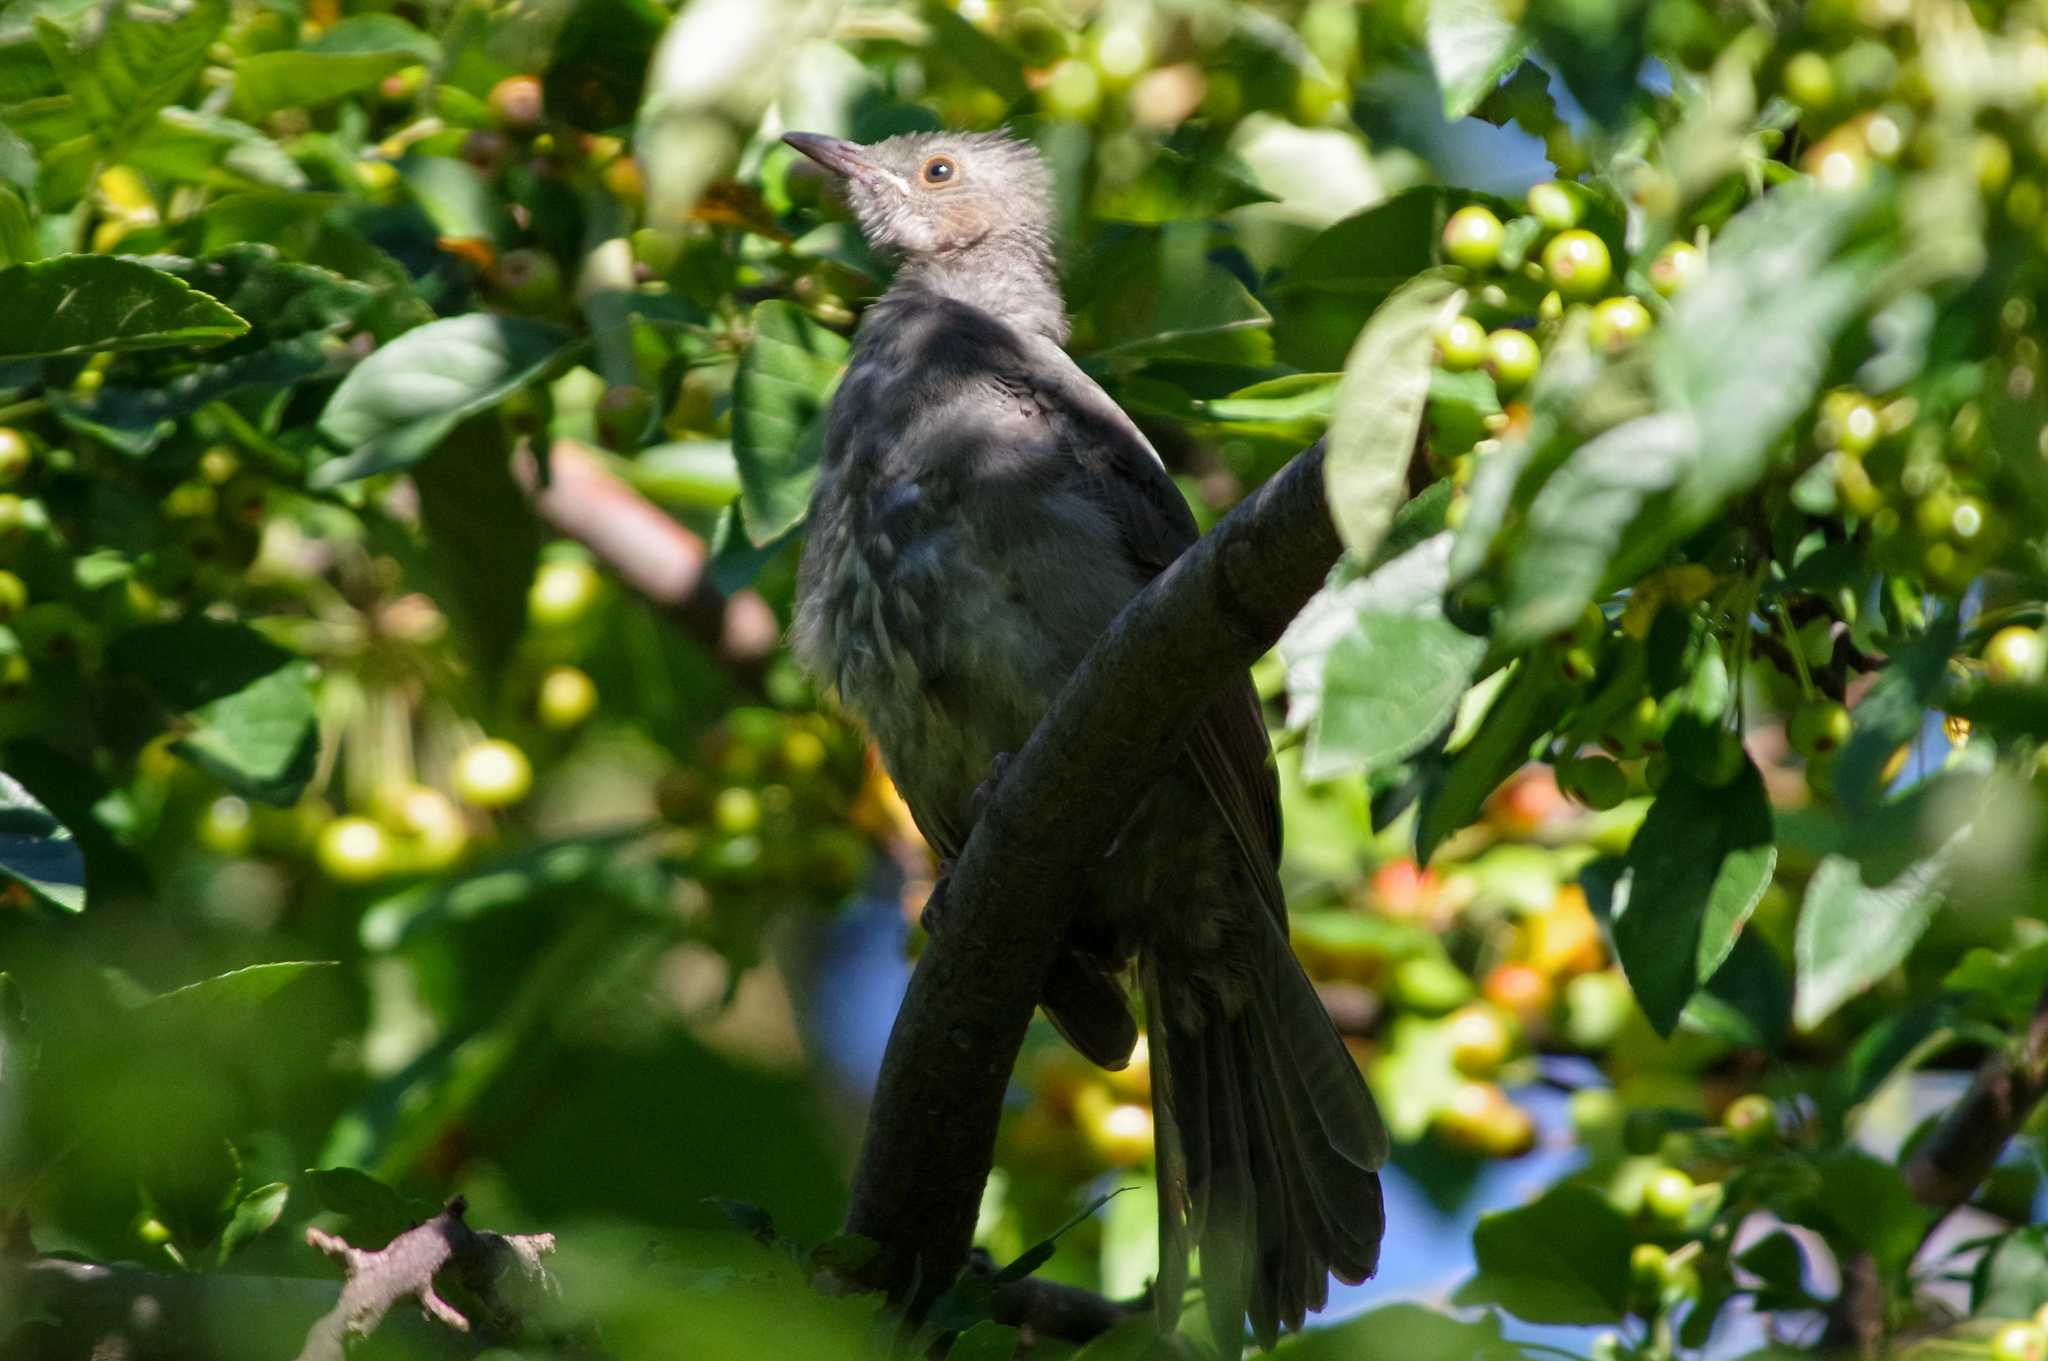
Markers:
{"x": 1561, "y": 1259}
{"x": 236, "y": 988}
{"x": 1374, "y": 669}
{"x": 137, "y": 60}
{"x": 376, "y": 1214}
{"x": 1472, "y": 44}
{"x": 268, "y": 81}
{"x": 395, "y": 406}
{"x": 37, "y": 853}
{"x": 780, "y": 395}
{"x": 1379, "y": 410}
{"x": 2011, "y": 1280}
{"x": 1852, "y": 933}
{"x": 86, "y": 304}
{"x": 985, "y": 1341}
{"x": 1697, "y": 868}
{"x": 255, "y": 1214}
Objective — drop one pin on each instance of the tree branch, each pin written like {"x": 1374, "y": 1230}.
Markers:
{"x": 405, "y": 1268}
{"x": 659, "y": 558}
{"x": 1112, "y": 732}
{"x": 1952, "y": 1162}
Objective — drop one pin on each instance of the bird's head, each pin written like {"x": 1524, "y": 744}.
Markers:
{"x": 931, "y": 194}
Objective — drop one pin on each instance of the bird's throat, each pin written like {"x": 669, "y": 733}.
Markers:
{"x": 1012, "y": 280}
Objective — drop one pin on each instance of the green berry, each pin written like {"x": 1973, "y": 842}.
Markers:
{"x": 1668, "y": 1197}
{"x": 1809, "y": 81}
{"x": 13, "y": 597}
{"x": 1462, "y": 344}
{"x": 2020, "y": 1342}
{"x": 1751, "y": 1120}
{"x": 1677, "y": 267}
{"x": 622, "y": 416}
{"x": 516, "y": 103}
{"x": 1819, "y": 727}
{"x": 16, "y": 455}
{"x": 527, "y": 280}
{"x": 1513, "y": 358}
{"x": 1618, "y": 323}
{"x": 1551, "y": 204}
{"x": 563, "y": 592}
{"x": 1593, "y": 781}
{"x": 353, "y": 851}
{"x": 492, "y": 774}
{"x": 1473, "y": 237}
{"x": 566, "y": 697}
{"x": 1577, "y": 263}
{"x": 2016, "y": 655}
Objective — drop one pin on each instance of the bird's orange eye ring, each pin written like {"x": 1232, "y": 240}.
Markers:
{"x": 940, "y": 171}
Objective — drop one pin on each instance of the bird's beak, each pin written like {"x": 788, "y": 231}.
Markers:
{"x": 836, "y": 154}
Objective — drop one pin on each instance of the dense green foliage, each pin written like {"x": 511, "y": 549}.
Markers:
{"x": 1691, "y": 718}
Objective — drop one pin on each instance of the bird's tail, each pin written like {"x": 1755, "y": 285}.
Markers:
{"x": 1269, "y": 1142}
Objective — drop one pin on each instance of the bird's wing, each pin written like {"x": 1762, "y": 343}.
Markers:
{"x": 1125, "y": 473}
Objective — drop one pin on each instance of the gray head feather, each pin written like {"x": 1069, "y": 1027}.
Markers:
{"x": 969, "y": 214}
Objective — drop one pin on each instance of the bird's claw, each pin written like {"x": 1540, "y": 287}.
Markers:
{"x": 998, "y": 766}
{"x": 934, "y": 913}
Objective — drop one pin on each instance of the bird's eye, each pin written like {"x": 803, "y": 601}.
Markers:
{"x": 940, "y": 170}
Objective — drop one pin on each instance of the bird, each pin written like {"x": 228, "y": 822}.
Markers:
{"x": 982, "y": 511}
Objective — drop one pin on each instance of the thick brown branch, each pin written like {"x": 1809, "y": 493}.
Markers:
{"x": 1952, "y": 1162}
{"x": 651, "y": 553}
{"x": 931, "y": 1135}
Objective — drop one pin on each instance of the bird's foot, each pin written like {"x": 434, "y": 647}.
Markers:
{"x": 986, "y": 790}
{"x": 934, "y": 913}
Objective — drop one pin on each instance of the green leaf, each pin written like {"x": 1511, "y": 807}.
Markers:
{"x": 2011, "y": 1280}
{"x": 1697, "y": 868}
{"x": 2007, "y": 984}
{"x": 1158, "y": 295}
{"x": 138, "y": 60}
{"x": 1892, "y": 710}
{"x": 1374, "y": 669}
{"x": 216, "y": 152}
{"x": 480, "y": 535}
{"x": 248, "y": 704}
{"x": 87, "y": 304}
{"x": 1853, "y": 932}
{"x": 236, "y": 988}
{"x": 17, "y": 232}
{"x": 1561, "y": 1259}
{"x": 780, "y": 395}
{"x": 1404, "y": 1332}
{"x": 37, "y": 853}
{"x": 550, "y": 870}
{"x": 255, "y": 1214}
{"x": 1597, "y": 48}
{"x": 395, "y": 406}
{"x": 1472, "y": 44}
{"x": 376, "y": 1213}
{"x": 1134, "y": 1339}
{"x": 985, "y": 1341}
{"x": 456, "y": 198}
{"x": 1379, "y": 410}
{"x": 1173, "y": 188}
{"x": 1532, "y": 698}
{"x": 1865, "y": 1203}
{"x": 268, "y": 81}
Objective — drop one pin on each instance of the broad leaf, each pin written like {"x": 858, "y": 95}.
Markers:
{"x": 1562, "y": 1259}
{"x": 268, "y": 81}
{"x": 1379, "y": 410}
{"x": 2011, "y": 1280}
{"x": 137, "y": 60}
{"x": 1853, "y": 932}
{"x": 1398, "y": 1332}
{"x": 38, "y": 858}
{"x": 255, "y": 1214}
{"x": 1531, "y": 699}
{"x": 780, "y": 395}
{"x": 395, "y": 406}
{"x": 376, "y": 1213}
{"x": 1472, "y": 44}
{"x": 1697, "y": 868}
{"x": 236, "y": 988}
{"x": 1374, "y": 669}
{"x": 985, "y": 1341}
{"x": 1892, "y": 711}
{"x": 248, "y": 704}
{"x": 88, "y": 304}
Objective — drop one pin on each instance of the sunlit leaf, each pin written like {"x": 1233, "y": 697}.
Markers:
{"x": 84, "y": 304}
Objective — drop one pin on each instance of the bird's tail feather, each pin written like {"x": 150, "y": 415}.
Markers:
{"x": 1269, "y": 1146}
